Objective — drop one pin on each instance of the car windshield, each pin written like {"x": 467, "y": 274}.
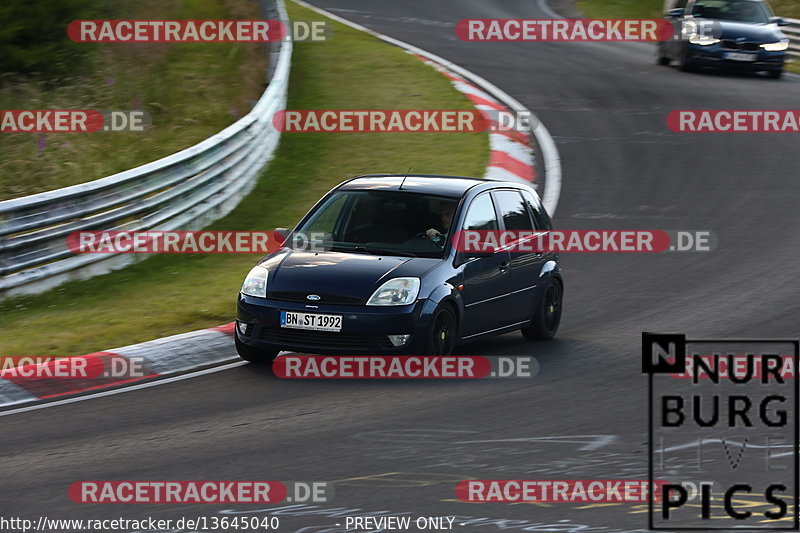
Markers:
{"x": 734, "y": 10}
{"x": 381, "y": 223}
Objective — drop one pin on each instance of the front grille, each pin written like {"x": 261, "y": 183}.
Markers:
{"x": 736, "y": 45}
{"x": 314, "y": 339}
{"x": 298, "y": 296}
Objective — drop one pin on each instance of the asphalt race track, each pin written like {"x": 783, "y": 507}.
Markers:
{"x": 401, "y": 446}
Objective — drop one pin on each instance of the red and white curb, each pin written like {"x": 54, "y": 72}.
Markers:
{"x": 511, "y": 159}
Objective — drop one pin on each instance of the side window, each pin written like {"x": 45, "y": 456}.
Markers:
{"x": 513, "y": 211}
{"x": 481, "y": 214}
{"x": 540, "y": 218}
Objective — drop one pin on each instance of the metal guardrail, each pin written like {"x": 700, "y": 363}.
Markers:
{"x": 793, "y": 32}
{"x": 185, "y": 191}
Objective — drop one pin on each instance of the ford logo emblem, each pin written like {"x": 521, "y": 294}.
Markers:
{"x": 313, "y": 297}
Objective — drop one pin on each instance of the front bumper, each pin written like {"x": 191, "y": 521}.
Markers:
{"x": 717, "y": 56}
{"x": 364, "y": 329}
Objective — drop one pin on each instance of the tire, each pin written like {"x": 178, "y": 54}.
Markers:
{"x": 254, "y": 355}
{"x": 775, "y": 74}
{"x": 662, "y": 59}
{"x": 442, "y": 334}
{"x": 547, "y": 315}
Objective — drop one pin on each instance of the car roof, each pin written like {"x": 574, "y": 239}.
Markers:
{"x": 454, "y": 186}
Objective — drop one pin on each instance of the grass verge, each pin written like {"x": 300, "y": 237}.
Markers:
{"x": 190, "y": 90}
{"x": 170, "y": 294}
{"x": 645, "y": 9}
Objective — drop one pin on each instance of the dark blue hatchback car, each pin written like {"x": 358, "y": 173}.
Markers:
{"x": 372, "y": 269}
{"x": 731, "y": 34}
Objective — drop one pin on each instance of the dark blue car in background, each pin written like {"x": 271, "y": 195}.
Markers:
{"x": 372, "y": 269}
{"x": 731, "y": 34}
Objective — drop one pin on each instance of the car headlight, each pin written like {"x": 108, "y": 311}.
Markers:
{"x": 703, "y": 41}
{"x": 255, "y": 284}
{"x": 397, "y": 291}
{"x": 776, "y": 47}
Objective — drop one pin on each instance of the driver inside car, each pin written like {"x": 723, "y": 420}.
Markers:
{"x": 436, "y": 234}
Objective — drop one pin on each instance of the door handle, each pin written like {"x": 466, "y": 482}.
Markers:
{"x": 504, "y": 266}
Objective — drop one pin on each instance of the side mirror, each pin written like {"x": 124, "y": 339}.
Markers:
{"x": 281, "y": 234}
{"x": 780, "y": 21}
{"x": 677, "y": 13}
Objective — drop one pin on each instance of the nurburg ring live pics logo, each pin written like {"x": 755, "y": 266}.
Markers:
{"x": 723, "y": 433}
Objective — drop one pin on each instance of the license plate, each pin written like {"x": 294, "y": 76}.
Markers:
{"x": 739, "y": 56}
{"x": 291, "y": 319}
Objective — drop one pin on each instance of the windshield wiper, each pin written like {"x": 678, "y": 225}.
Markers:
{"x": 373, "y": 251}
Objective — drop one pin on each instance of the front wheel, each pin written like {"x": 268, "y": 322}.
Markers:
{"x": 775, "y": 74}
{"x": 254, "y": 355}
{"x": 547, "y": 315}
{"x": 442, "y": 335}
